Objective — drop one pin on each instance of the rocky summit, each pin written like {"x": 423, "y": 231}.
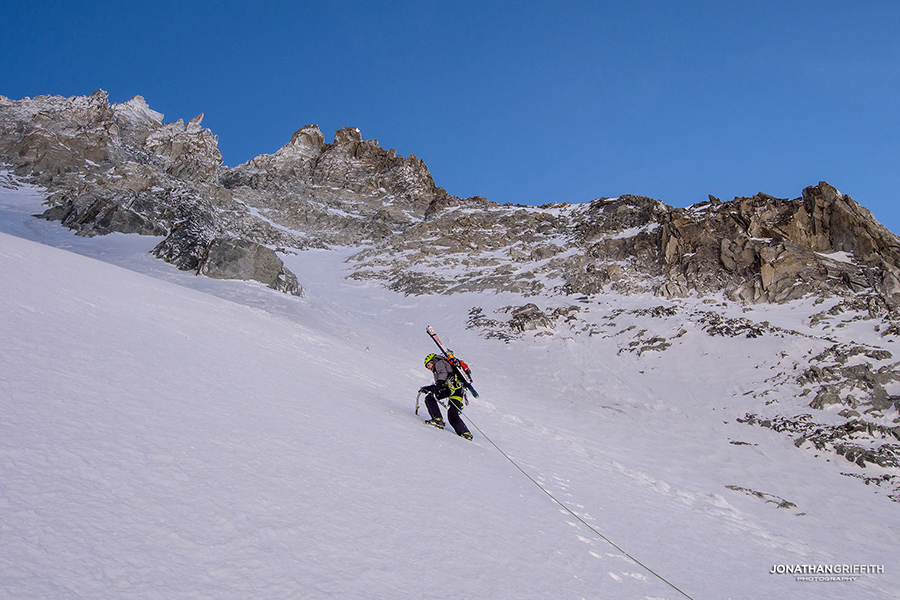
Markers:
{"x": 119, "y": 168}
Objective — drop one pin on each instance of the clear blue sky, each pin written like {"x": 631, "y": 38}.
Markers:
{"x": 525, "y": 102}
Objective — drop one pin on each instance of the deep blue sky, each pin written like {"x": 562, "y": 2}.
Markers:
{"x": 525, "y": 102}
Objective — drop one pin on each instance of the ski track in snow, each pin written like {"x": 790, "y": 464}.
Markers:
{"x": 171, "y": 436}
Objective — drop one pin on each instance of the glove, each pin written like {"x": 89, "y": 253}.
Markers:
{"x": 426, "y": 389}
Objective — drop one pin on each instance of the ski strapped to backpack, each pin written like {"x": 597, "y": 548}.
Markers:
{"x": 457, "y": 364}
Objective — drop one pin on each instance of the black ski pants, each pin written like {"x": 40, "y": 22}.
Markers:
{"x": 455, "y": 406}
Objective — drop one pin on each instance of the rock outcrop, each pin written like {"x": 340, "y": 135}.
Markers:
{"x": 230, "y": 258}
{"x": 759, "y": 249}
{"x": 347, "y": 192}
{"x": 768, "y": 249}
{"x": 119, "y": 168}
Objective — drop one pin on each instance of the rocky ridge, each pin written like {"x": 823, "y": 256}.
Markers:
{"x": 758, "y": 249}
{"x": 118, "y": 167}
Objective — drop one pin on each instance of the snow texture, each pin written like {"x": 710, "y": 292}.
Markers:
{"x": 171, "y": 436}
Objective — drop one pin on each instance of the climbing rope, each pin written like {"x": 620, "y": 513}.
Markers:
{"x": 568, "y": 510}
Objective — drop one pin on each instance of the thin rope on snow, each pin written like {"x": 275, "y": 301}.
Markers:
{"x": 569, "y": 510}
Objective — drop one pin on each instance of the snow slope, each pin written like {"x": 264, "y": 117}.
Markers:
{"x": 171, "y": 436}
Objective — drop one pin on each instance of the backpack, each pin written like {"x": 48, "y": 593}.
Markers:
{"x": 461, "y": 366}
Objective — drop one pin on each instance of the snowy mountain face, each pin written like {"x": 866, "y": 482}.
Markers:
{"x": 710, "y": 393}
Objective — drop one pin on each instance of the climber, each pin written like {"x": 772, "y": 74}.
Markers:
{"x": 446, "y": 385}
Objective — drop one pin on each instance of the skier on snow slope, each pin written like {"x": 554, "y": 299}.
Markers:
{"x": 446, "y": 385}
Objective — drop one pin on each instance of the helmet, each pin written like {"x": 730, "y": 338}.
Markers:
{"x": 430, "y": 358}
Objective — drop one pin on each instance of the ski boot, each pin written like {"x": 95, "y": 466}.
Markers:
{"x": 439, "y": 423}
{"x": 466, "y": 435}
